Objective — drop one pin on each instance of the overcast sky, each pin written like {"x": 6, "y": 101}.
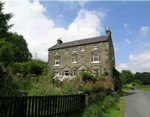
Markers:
{"x": 43, "y": 22}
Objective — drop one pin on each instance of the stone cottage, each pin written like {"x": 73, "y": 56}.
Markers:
{"x": 95, "y": 54}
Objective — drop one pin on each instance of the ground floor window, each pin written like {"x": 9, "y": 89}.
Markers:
{"x": 97, "y": 71}
{"x": 56, "y": 72}
{"x": 74, "y": 72}
{"x": 82, "y": 70}
{"x": 66, "y": 73}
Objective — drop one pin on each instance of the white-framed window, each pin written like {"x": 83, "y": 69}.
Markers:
{"x": 74, "y": 72}
{"x": 66, "y": 73}
{"x": 67, "y": 50}
{"x": 96, "y": 57}
{"x": 96, "y": 70}
{"x": 56, "y": 61}
{"x": 82, "y": 48}
{"x": 74, "y": 58}
{"x": 56, "y": 72}
{"x": 82, "y": 70}
{"x": 95, "y": 47}
{"x": 74, "y": 50}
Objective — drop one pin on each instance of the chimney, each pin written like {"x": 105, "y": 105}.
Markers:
{"x": 59, "y": 41}
{"x": 108, "y": 32}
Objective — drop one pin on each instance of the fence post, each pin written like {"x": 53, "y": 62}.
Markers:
{"x": 86, "y": 99}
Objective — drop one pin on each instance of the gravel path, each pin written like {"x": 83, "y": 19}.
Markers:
{"x": 137, "y": 104}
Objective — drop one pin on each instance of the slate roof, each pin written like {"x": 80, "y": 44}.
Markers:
{"x": 79, "y": 42}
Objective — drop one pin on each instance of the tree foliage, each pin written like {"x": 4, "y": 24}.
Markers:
{"x": 4, "y": 18}
{"x": 20, "y": 47}
{"x": 126, "y": 76}
{"x": 143, "y": 77}
{"x": 117, "y": 81}
{"x": 6, "y": 52}
{"x": 31, "y": 67}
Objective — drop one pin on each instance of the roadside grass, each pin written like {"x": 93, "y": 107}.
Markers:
{"x": 127, "y": 88}
{"x": 116, "y": 110}
{"x": 142, "y": 87}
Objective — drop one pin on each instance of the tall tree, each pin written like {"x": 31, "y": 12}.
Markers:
{"x": 4, "y": 18}
{"x": 126, "y": 76}
{"x": 143, "y": 77}
{"x": 20, "y": 47}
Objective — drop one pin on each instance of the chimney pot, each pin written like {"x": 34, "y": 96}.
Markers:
{"x": 108, "y": 32}
{"x": 59, "y": 41}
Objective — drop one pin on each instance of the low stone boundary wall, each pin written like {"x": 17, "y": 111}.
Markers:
{"x": 89, "y": 99}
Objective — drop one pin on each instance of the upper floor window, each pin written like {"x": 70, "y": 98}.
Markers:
{"x": 67, "y": 50}
{"x": 56, "y": 61}
{"x": 96, "y": 57}
{"x": 74, "y": 58}
{"x": 74, "y": 50}
{"x": 95, "y": 47}
{"x": 82, "y": 48}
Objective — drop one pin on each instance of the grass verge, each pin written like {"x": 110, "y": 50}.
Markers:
{"x": 127, "y": 88}
{"x": 142, "y": 87}
{"x": 116, "y": 110}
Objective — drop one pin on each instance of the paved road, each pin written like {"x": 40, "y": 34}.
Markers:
{"x": 137, "y": 104}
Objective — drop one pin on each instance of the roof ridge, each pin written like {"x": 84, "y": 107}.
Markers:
{"x": 84, "y": 39}
{"x": 80, "y": 42}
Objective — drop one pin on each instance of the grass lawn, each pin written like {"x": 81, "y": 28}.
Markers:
{"x": 142, "y": 87}
{"x": 127, "y": 88}
{"x": 117, "y": 110}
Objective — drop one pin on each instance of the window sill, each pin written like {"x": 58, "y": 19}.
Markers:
{"x": 96, "y": 62}
{"x": 74, "y": 62}
{"x": 55, "y": 65}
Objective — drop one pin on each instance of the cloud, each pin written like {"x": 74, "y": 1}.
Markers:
{"x": 116, "y": 49}
{"x": 128, "y": 31}
{"x": 61, "y": 16}
{"x": 127, "y": 41}
{"x": 144, "y": 31}
{"x": 125, "y": 25}
{"x": 41, "y": 32}
{"x": 137, "y": 63}
{"x": 75, "y": 3}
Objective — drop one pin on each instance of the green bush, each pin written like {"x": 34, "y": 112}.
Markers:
{"x": 138, "y": 82}
{"x": 88, "y": 76}
{"x": 133, "y": 84}
{"x": 117, "y": 81}
{"x": 88, "y": 88}
{"x": 102, "y": 77}
{"x": 43, "y": 87}
{"x": 98, "y": 108}
{"x": 31, "y": 67}
{"x": 78, "y": 76}
{"x": 68, "y": 86}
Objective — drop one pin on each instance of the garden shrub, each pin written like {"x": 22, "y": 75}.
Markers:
{"x": 68, "y": 86}
{"x": 102, "y": 77}
{"x": 133, "y": 84}
{"x": 78, "y": 76}
{"x": 117, "y": 81}
{"x": 87, "y": 76}
{"x": 99, "y": 107}
{"x": 88, "y": 88}
{"x": 138, "y": 82}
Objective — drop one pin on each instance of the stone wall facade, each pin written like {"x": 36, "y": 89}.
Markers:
{"x": 105, "y": 50}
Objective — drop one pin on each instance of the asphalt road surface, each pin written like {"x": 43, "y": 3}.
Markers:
{"x": 137, "y": 104}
